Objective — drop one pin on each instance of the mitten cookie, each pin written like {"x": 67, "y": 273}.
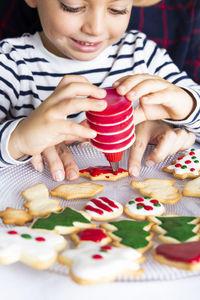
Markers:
{"x": 91, "y": 263}
{"x": 160, "y": 189}
{"x": 39, "y": 203}
{"x": 103, "y": 173}
{"x": 14, "y": 216}
{"x": 31, "y": 247}
{"x": 97, "y": 235}
{"x": 67, "y": 221}
{"x": 176, "y": 229}
{"x": 186, "y": 165}
{"x": 192, "y": 188}
{"x": 141, "y": 207}
{"x": 77, "y": 190}
{"x": 102, "y": 208}
{"x": 129, "y": 233}
{"x": 184, "y": 256}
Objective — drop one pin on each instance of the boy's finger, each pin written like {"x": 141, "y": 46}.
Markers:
{"x": 71, "y": 78}
{"x": 54, "y": 163}
{"x": 37, "y": 163}
{"x": 79, "y": 131}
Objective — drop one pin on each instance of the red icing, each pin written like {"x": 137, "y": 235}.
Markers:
{"x": 97, "y": 256}
{"x": 96, "y": 171}
{"x": 101, "y": 205}
{"x": 40, "y": 239}
{"x": 154, "y": 201}
{"x": 95, "y": 235}
{"x": 188, "y": 162}
{"x": 178, "y": 165}
{"x": 12, "y": 232}
{"x": 141, "y": 204}
{"x": 181, "y": 157}
{"x": 139, "y": 199}
{"x": 147, "y": 207}
{"x": 96, "y": 210}
{"x": 106, "y": 247}
{"x": 192, "y": 153}
{"x": 109, "y": 202}
{"x": 185, "y": 252}
{"x": 192, "y": 169}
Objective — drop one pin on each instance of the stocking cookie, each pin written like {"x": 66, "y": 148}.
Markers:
{"x": 14, "y": 216}
{"x": 141, "y": 207}
{"x": 176, "y": 229}
{"x": 91, "y": 263}
{"x": 77, "y": 190}
{"x": 102, "y": 209}
{"x": 38, "y": 202}
{"x": 184, "y": 256}
{"x": 67, "y": 221}
{"x": 129, "y": 233}
{"x": 31, "y": 247}
{"x": 103, "y": 173}
{"x": 162, "y": 190}
{"x": 96, "y": 235}
{"x": 186, "y": 165}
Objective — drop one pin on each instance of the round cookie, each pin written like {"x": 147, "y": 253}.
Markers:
{"x": 102, "y": 209}
{"x": 141, "y": 207}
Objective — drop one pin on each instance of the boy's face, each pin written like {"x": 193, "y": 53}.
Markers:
{"x": 81, "y": 29}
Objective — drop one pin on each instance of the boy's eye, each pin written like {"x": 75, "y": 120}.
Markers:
{"x": 118, "y": 12}
{"x": 69, "y": 8}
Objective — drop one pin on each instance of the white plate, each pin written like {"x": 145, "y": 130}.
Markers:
{"x": 17, "y": 178}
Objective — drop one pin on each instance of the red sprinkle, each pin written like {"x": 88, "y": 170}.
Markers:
{"x": 192, "y": 169}
{"x": 181, "y": 157}
{"x": 40, "y": 239}
{"x": 139, "y": 199}
{"x": 106, "y": 248}
{"x": 12, "y": 232}
{"x": 97, "y": 256}
{"x": 154, "y": 201}
{"x": 192, "y": 153}
{"x": 188, "y": 162}
{"x": 147, "y": 207}
{"x": 178, "y": 165}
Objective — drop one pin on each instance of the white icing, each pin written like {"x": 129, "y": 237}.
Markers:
{"x": 114, "y": 261}
{"x": 156, "y": 211}
{"x": 196, "y": 166}
{"x": 14, "y": 247}
{"x": 105, "y": 213}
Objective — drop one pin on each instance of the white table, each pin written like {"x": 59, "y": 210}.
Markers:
{"x": 19, "y": 282}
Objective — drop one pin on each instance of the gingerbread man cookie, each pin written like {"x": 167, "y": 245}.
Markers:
{"x": 91, "y": 263}
{"x": 31, "y": 247}
{"x": 103, "y": 173}
{"x": 186, "y": 165}
{"x": 141, "y": 207}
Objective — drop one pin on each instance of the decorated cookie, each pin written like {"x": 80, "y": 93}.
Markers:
{"x": 162, "y": 190}
{"x": 91, "y": 263}
{"x": 77, "y": 190}
{"x": 102, "y": 209}
{"x": 38, "y": 202}
{"x": 176, "y": 229}
{"x": 31, "y": 247}
{"x": 103, "y": 173}
{"x": 141, "y": 207}
{"x": 192, "y": 188}
{"x": 184, "y": 256}
{"x": 67, "y": 221}
{"x": 186, "y": 165}
{"x": 97, "y": 235}
{"x": 129, "y": 233}
{"x": 14, "y": 216}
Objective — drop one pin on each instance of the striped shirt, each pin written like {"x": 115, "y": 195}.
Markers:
{"x": 29, "y": 74}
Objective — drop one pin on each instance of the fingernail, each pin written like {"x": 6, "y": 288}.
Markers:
{"x": 93, "y": 134}
{"x": 71, "y": 175}
{"x": 121, "y": 89}
{"x": 134, "y": 171}
{"x": 131, "y": 95}
{"x": 102, "y": 102}
{"x": 39, "y": 167}
{"x": 116, "y": 83}
{"x": 150, "y": 163}
{"x": 59, "y": 176}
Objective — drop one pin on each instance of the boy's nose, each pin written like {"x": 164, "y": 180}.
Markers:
{"x": 94, "y": 24}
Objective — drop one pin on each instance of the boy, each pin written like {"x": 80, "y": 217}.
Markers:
{"x": 83, "y": 38}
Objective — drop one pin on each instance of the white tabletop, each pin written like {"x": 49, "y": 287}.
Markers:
{"x": 19, "y": 282}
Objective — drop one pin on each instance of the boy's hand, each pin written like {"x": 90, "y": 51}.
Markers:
{"x": 47, "y": 126}
{"x": 158, "y": 98}
{"x": 167, "y": 140}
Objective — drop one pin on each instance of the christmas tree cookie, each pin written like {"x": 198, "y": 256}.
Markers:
{"x": 186, "y": 165}
{"x": 176, "y": 229}
{"x": 67, "y": 221}
{"x": 184, "y": 256}
{"x": 129, "y": 233}
{"x": 34, "y": 248}
{"x": 140, "y": 207}
{"x": 91, "y": 263}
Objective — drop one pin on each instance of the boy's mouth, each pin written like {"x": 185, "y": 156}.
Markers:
{"x": 86, "y": 46}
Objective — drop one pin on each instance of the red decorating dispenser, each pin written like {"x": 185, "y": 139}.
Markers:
{"x": 114, "y": 126}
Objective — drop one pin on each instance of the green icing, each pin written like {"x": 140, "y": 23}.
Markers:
{"x": 184, "y": 167}
{"x": 147, "y": 197}
{"x": 157, "y": 204}
{"x": 26, "y": 236}
{"x": 131, "y": 202}
{"x": 178, "y": 227}
{"x": 66, "y": 218}
{"x": 132, "y": 233}
{"x": 139, "y": 206}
